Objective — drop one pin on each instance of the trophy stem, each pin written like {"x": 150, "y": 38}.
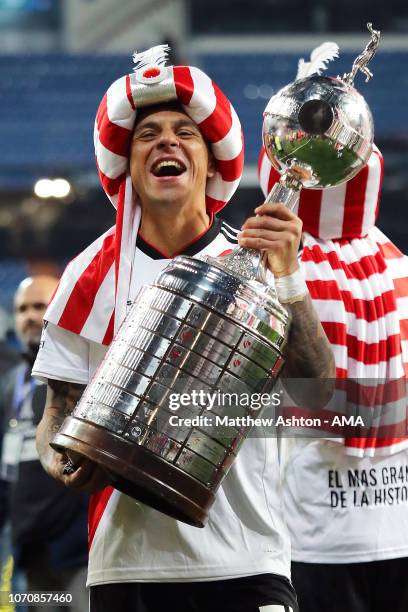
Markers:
{"x": 250, "y": 264}
{"x": 286, "y": 191}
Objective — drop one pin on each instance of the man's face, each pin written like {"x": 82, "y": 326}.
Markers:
{"x": 169, "y": 159}
{"x": 30, "y": 304}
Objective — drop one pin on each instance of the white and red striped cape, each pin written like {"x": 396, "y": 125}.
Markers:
{"x": 92, "y": 294}
{"x": 358, "y": 281}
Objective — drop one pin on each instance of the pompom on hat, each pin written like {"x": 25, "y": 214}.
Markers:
{"x": 93, "y": 292}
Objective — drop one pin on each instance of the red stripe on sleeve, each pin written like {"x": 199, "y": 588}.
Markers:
{"x": 82, "y": 297}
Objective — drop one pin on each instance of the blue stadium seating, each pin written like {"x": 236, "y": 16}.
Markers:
{"x": 386, "y": 93}
{"x": 48, "y": 103}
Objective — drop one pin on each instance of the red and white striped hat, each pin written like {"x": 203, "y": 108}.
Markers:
{"x": 358, "y": 281}
{"x": 202, "y": 100}
{"x": 92, "y": 295}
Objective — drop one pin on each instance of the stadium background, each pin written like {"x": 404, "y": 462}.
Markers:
{"x": 57, "y": 59}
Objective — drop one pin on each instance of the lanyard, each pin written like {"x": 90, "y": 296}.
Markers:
{"x": 22, "y": 391}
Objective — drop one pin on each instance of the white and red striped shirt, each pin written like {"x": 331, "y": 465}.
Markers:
{"x": 129, "y": 541}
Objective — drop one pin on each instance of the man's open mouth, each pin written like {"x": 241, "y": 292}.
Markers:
{"x": 168, "y": 167}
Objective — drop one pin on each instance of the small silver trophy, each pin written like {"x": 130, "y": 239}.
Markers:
{"x": 318, "y": 131}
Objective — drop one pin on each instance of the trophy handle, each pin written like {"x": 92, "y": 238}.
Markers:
{"x": 361, "y": 61}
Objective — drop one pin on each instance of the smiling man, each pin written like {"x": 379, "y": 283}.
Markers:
{"x": 170, "y": 164}
{"x": 170, "y": 155}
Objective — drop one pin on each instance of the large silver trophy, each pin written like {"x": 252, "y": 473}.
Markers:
{"x": 208, "y": 331}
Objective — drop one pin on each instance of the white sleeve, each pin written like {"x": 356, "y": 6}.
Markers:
{"x": 62, "y": 356}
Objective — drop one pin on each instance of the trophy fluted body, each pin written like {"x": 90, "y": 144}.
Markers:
{"x": 202, "y": 329}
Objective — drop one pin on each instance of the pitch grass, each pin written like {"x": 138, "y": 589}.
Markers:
{"x": 329, "y": 165}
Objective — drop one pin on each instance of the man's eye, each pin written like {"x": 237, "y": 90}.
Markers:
{"x": 184, "y": 133}
{"x": 146, "y": 135}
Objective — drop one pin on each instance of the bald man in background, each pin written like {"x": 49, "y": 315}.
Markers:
{"x": 48, "y": 522}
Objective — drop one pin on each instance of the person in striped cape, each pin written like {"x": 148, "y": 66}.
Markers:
{"x": 346, "y": 489}
{"x": 169, "y": 151}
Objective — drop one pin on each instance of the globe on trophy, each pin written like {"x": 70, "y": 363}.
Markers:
{"x": 318, "y": 131}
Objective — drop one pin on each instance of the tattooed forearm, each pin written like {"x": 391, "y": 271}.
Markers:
{"x": 308, "y": 353}
{"x": 62, "y": 398}
{"x": 85, "y": 475}
{"x": 308, "y": 356}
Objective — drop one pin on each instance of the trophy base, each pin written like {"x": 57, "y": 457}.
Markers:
{"x": 138, "y": 473}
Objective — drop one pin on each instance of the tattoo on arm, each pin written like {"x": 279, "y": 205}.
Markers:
{"x": 308, "y": 352}
{"x": 62, "y": 398}
{"x": 309, "y": 358}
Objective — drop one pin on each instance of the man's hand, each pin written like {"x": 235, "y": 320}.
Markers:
{"x": 87, "y": 476}
{"x": 277, "y": 232}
